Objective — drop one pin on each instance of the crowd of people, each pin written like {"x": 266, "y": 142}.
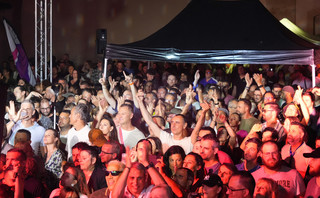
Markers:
{"x": 161, "y": 130}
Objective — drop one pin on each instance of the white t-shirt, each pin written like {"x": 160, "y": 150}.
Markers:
{"x": 167, "y": 141}
{"x": 37, "y": 134}
{"x": 130, "y": 138}
{"x": 77, "y": 136}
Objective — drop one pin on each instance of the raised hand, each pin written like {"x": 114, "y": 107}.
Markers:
{"x": 197, "y": 76}
{"x": 102, "y": 81}
{"x": 128, "y": 78}
{"x": 258, "y": 79}
{"x": 205, "y": 106}
{"x": 12, "y": 112}
{"x": 248, "y": 80}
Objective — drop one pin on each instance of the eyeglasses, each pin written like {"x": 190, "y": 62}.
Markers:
{"x": 113, "y": 173}
{"x": 105, "y": 152}
{"x": 235, "y": 190}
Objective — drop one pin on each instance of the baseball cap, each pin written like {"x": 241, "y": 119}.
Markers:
{"x": 288, "y": 89}
{"x": 212, "y": 180}
{"x": 313, "y": 154}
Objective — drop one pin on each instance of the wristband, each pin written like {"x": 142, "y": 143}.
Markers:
{"x": 149, "y": 166}
{"x": 216, "y": 103}
{"x": 131, "y": 83}
{"x": 247, "y": 87}
{"x": 260, "y": 86}
{"x": 13, "y": 121}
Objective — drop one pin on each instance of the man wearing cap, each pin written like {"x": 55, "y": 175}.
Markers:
{"x": 211, "y": 186}
{"x": 313, "y": 188}
{"x": 287, "y": 94}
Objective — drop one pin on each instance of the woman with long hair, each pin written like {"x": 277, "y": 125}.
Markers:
{"x": 194, "y": 162}
{"x": 173, "y": 159}
{"x": 54, "y": 156}
{"x": 72, "y": 177}
{"x": 108, "y": 128}
{"x": 91, "y": 167}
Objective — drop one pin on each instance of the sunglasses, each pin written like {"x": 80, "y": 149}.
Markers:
{"x": 113, "y": 173}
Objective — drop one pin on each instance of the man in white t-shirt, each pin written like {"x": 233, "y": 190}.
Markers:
{"x": 128, "y": 134}
{"x": 79, "y": 132}
{"x": 178, "y": 127}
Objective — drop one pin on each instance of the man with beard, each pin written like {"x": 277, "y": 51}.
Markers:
{"x": 251, "y": 151}
{"x": 46, "y": 119}
{"x": 247, "y": 120}
{"x": 293, "y": 152}
{"x": 289, "y": 180}
{"x": 313, "y": 188}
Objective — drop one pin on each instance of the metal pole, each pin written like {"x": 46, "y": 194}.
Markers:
{"x": 41, "y": 41}
{"x": 45, "y": 40}
{"x": 36, "y": 39}
{"x": 313, "y": 67}
{"x": 50, "y": 30}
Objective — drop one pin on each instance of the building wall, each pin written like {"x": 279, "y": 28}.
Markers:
{"x": 75, "y": 22}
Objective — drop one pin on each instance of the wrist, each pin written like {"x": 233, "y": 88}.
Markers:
{"x": 260, "y": 86}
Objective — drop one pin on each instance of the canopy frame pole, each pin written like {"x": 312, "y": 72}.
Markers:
{"x": 313, "y": 68}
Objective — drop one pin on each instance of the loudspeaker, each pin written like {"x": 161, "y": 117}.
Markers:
{"x": 101, "y": 40}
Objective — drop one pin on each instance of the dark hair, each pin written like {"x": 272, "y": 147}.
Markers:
{"x": 270, "y": 92}
{"x": 255, "y": 140}
{"x": 113, "y": 134}
{"x": 158, "y": 143}
{"x": 273, "y": 131}
{"x": 172, "y": 150}
{"x": 25, "y": 131}
{"x": 246, "y": 102}
{"x": 207, "y": 128}
{"x": 116, "y": 148}
{"x": 247, "y": 180}
{"x": 309, "y": 93}
{"x": 93, "y": 151}
{"x": 80, "y": 146}
{"x": 130, "y": 107}
{"x": 68, "y": 189}
{"x": 201, "y": 172}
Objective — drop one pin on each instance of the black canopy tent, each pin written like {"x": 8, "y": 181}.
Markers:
{"x": 220, "y": 31}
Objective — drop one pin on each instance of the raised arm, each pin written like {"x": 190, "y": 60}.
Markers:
{"x": 189, "y": 99}
{"x": 13, "y": 116}
{"x": 129, "y": 80}
{"x": 120, "y": 185}
{"x": 195, "y": 133}
{"x": 146, "y": 116}
{"x": 232, "y": 134}
{"x": 304, "y": 108}
{"x": 258, "y": 79}
{"x": 107, "y": 94}
{"x": 152, "y": 171}
{"x": 173, "y": 185}
{"x": 248, "y": 84}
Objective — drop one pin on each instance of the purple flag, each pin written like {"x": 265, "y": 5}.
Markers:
{"x": 19, "y": 56}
